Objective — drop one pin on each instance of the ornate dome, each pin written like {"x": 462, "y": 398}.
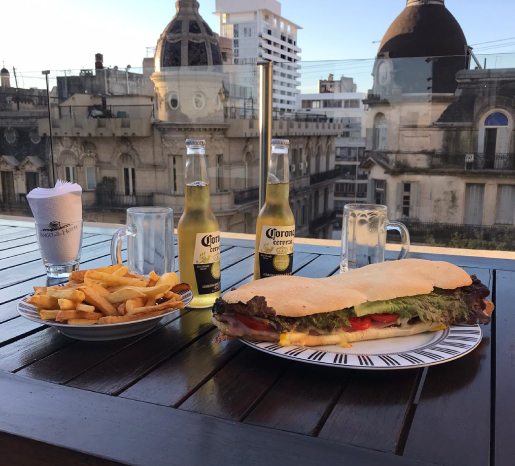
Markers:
{"x": 4, "y": 71}
{"x": 426, "y": 28}
{"x": 187, "y": 40}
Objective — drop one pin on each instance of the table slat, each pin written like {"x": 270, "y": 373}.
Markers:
{"x": 455, "y": 401}
{"x": 143, "y": 434}
{"x": 233, "y": 391}
{"x": 300, "y": 400}
{"x": 176, "y": 379}
{"x": 124, "y": 368}
{"x": 32, "y": 348}
{"x": 504, "y": 376}
{"x": 72, "y": 360}
{"x": 35, "y": 255}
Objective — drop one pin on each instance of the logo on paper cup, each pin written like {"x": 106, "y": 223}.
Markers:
{"x": 55, "y": 226}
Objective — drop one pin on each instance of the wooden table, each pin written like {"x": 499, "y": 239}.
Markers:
{"x": 173, "y": 396}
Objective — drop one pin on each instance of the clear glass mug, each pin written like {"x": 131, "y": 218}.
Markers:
{"x": 364, "y": 235}
{"x": 150, "y": 241}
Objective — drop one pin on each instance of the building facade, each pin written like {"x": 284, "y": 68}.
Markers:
{"x": 259, "y": 32}
{"x": 440, "y": 137}
{"x": 135, "y": 157}
{"x": 347, "y": 109}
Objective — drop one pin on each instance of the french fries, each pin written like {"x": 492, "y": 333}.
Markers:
{"x": 66, "y": 304}
{"x": 72, "y": 295}
{"x": 111, "y": 280}
{"x": 108, "y": 295}
{"x": 43, "y": 302}
{"x": 63, "y": 316}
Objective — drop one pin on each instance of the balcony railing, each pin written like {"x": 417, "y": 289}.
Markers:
{"x": 14, "y": 202}
{"x": 461, "y": 235}
{"x": 319, "y": 222}
{"x": 244, "y": 196}
{"x": 473, "y": 161}
{"x": 325, "y": 176}
{"x": 107, "y": 111}
{"x": 124, "y": 200}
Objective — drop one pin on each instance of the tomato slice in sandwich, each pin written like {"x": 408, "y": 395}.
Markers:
{"x": 386, "y": 318}
{"x": 360, "y": 323}
{"x": 252, "y": 323}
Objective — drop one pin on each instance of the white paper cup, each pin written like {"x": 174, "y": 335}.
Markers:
{"x": 60, "y": 244}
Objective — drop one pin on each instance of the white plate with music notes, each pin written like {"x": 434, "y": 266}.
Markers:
{"x": 424, "y": 349}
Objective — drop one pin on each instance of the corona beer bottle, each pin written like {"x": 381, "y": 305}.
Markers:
{"x": 198, "y": 231}
{"x": 275, "y": 229}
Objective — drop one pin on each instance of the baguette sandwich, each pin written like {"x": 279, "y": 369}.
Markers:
{"x": 389, "y": 299}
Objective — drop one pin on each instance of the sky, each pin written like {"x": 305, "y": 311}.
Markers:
{"x": 66, "y": 34}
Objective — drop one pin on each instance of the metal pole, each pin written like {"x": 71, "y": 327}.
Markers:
{"x": 17, "y": 90}
{"x": 52, "y": 171}
{"x": 265, "y": 125}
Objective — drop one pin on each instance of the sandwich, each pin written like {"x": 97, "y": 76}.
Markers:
{"x": 389, "y": 299}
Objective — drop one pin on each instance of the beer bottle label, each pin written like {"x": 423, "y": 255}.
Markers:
{"x": 276, "y": 251}
{"x": 206, "y": 262}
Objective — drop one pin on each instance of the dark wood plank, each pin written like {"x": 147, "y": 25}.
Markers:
{"x": 455, "y": 402}
{"x": 172, "y": 382}
{"x": 71, "y": 361}
{"x": 144, "y": 434}
{"x": 233, "y": 391}
{"x": 300, "y": 400}
{"x": 234, "y": 255}
{"x": 12, "y": 329}
{"x": 504, "y": 372}
{"x": 124, "y": 368}
{"x": 322, "y": 266}
{"x": 22, "y": 289}
{"x": 26, "y": 351}
{"x": 24, "y": 272}
{"x": 300, "y": 260}
{"x": 35, "y": 255}
{"x": 16, "y": 451}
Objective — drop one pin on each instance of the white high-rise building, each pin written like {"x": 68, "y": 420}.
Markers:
{"x": 259, "y": 32}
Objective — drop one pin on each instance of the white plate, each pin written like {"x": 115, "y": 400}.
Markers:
{"x": 424, "y": 349}
{"x": 99, "y": 332}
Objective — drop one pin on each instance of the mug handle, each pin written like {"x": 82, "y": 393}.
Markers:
{"x": 116, "y": 242}
{"x": 405, "y": 243}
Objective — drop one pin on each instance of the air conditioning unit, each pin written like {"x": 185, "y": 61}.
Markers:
{"x": 292, "y": 168}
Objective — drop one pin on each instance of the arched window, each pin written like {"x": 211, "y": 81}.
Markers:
{"x": 380, "y": 141}
{"x": 494, "y": 140}
{"x": 129, "y": 174}
{"x": 69, "y": 162}
{"x": 496, "y": 119}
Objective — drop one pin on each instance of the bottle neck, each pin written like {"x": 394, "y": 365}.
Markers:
{"x": 196, "y": 168}
{"x": 279, "y": 166}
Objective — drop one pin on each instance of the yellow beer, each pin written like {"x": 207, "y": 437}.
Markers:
{"x": 198, "y": 232}
{"x": 275, "y": 227}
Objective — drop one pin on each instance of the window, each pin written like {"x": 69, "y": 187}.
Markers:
{"x": 70, "y": 174}
{"x": 380, "y": 134}
{"x": 505, "y": 204}
{"x": 379, "y": 194}
{"x": 91, "y": 180}
{"x": 174, "y": 101}
{"x": 406, "y": 200}
{"x": 129, "y": 179}
{"x": 31, "y": 181}
{"x": 497, "y": 119}
{"x": 199, "y": 101}
{"x": 236, "y": 31}
{"x": 474, "y": 201}
{"x": 219, "y": 172}
{"x": 236, "y": 43}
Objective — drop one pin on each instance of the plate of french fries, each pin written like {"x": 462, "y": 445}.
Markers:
{"x": 106, "y": 303}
